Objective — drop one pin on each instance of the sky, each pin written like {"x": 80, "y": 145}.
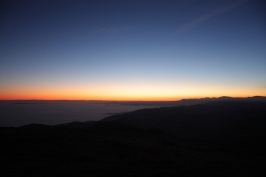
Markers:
{"x": 148, "y": 50}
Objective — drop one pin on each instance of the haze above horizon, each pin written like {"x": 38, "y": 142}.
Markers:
{"x": 153, "y": 50}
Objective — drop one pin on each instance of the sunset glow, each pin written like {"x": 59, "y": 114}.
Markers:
{"x": 132, "y": 50}
{"x": 126, "y": 93}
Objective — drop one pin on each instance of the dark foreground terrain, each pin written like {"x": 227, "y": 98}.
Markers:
{"x": 212, "y": 139}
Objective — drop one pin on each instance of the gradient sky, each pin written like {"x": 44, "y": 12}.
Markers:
{"x": 132, "y": 50}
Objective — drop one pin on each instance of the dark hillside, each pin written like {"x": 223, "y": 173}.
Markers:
{"x": 201, "y": 121}
{"x": 104, "y": 151}
{"x": 224, "y": 138}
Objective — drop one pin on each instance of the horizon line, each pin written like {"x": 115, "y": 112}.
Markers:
{"x": 132, "y": 100}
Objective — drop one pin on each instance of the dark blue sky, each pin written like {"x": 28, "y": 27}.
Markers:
{"x": 132, "y": 50}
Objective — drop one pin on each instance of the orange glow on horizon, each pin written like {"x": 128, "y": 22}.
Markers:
{"x": 55, "y": 96}
{"x": 119, "y": 92}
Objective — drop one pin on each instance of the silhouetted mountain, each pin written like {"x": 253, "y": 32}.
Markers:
{"x": 217, "y": 118}
{"x": 77, "y": 124}
{"x": 223, "y": 98}
{"x": 222, "y": 137}
{"x": 209, "y": 121}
